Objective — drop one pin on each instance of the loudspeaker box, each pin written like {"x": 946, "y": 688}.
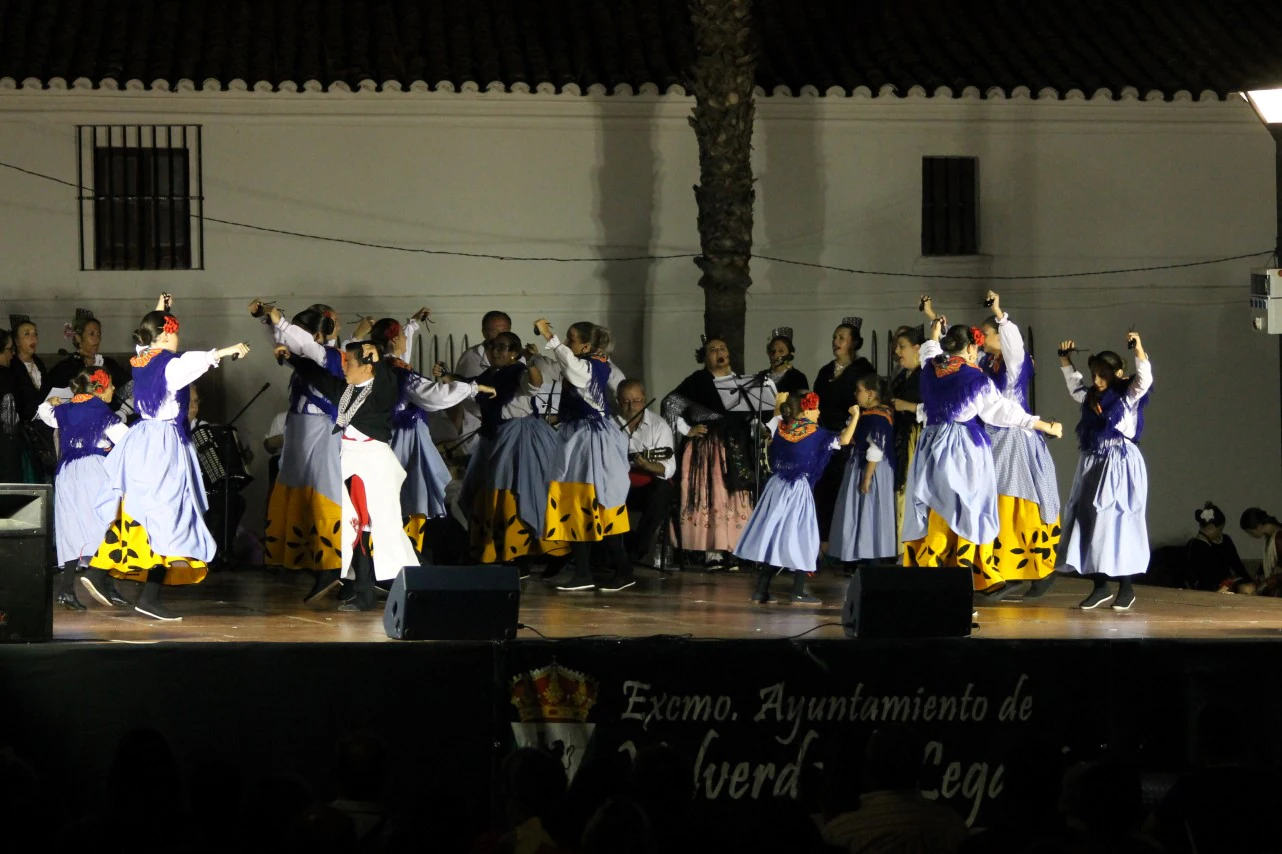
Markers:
{"x": 909, "y": 602}
{"x": 453, "y": 603}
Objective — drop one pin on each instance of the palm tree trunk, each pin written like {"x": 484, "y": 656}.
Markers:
{"x": 723, "y": 81}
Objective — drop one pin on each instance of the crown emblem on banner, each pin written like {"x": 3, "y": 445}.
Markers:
{"x": 553, "y": 693}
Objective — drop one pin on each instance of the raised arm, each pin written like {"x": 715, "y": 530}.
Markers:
{"x": 1013, "y": 352}
{"x": 319, "y": 378}
{"x": 185, "y": 368}
{"x": 1000, "y": 412}
{"x": 1143, "y": 371}
{"x": 1072, "y": 378}
{"x": 297, "y": 340}
{"x": 431, "y": 396}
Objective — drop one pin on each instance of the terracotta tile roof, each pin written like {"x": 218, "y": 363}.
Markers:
{"x": 834, "y": 46}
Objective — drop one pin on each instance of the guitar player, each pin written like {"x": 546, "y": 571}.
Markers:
{"x": 651, "y": 492}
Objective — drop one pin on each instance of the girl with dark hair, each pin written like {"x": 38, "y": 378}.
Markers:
{"x": 905, "y": 392}
{"x": 87, "y": 429}
{"x": 588, "y": 479}
{"x": 505, "y": 488}
{"x": 783, "y": 532}
{"x": 1105, "y": 535}
{"x": 950, "y": 514}
{"x": 12, "y": 452}
{"x": 154, "y": 498}
{"x": 304, "y": 510}
{"x": 26, "y": 378}
{"x": 835, "y": 385}
{"x": 426, "y": 475}
{"x": 863, "y": 527}
{"x": 1027, "y": 491}
{"x": 781, "y": 352}
{"x": 716, "y": 473}
{"x": 1260, "y": 525}
{"x": 1212, "y": 559}
{"x": 85, "y": 332}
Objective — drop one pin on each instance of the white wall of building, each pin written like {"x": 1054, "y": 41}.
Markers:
{"x": 1066, "y": 186}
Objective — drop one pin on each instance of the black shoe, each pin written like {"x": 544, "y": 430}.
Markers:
{"x": 762, "y": 598}
{"x": 354, "y": 604}
{"x": 1124, "y": 600}
{"x": 577, "y": 584}
{"x": 1040, "y": 587}
{"x": 69, "y": 601}
{"x": 113, "y": 595}
{"x": 157, "y": 611}
{"x": 1006, "y": 591}
{"x": 804, "y": 599}
{"x": 326, "y": 580}
{"x": 617, "y": 582}
{"x": 95, "y": 584}
{"x": 1099, "y": 596}
{"x": 347, "y": 591}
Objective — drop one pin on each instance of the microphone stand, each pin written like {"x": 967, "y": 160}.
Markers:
{"x": 229, "y": 442}
{"x": 757, "y": 383}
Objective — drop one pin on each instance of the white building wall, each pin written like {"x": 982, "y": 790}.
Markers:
{"x": 1066, "y": 186}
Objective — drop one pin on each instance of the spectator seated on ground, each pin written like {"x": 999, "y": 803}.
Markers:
{"x": 1260, "y": 525}
{"x": 892, "y": 814}
{"x": 1212, "y": 559}
{"x": 532, "y": 789}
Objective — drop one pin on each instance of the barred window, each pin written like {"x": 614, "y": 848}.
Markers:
{"x": 142, "y": 203}
{"x": 949, "y": 203}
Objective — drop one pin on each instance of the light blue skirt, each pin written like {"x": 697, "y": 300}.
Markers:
{"x": 157, "y": 475}
{"x": 426, "y": 475}
{"x": 75, "y": 497}
{"x": 309, "y": 456}
{"x": 594, "y": 452}
{"x": 1104, "y": 530}
{"x": 516, "y": 459}
{"x": 863, "y": 526}
{"x": 783, "y": 530}
{"x": 952, "y": 475}
{"x": 1025, "y": 469}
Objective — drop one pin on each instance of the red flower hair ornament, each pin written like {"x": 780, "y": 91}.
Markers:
{"x": 99, "y": 380}
{"x": 171, "y": 325}
{"x": 978, "y": 335}
{"x": 809, "y": 401}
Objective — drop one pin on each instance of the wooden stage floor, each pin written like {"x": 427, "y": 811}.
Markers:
{"x": 255, "y": 606}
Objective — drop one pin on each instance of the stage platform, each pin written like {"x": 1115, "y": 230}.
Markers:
{"x": 754, "y": 698}
{"x": 258, "y": 607}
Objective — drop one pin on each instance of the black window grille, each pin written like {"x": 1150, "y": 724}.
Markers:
{"x": 949, "y": 206}
{"x": 141, "y": 199}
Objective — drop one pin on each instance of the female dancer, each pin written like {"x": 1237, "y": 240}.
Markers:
{"x": 304, "y": 511}
{"x": 905, "y": 389}
{"x": 863, "y": 528}
{"x": 27, "y": 372}
{"x": 505, "y": 488}
{"x": 1027, "y": 492}
{"x": 1105, "y": 535}
{"x": 950, "y": 514}
{"x": 426, "y": 475}
{"x": 835, "y": 385}
{"x": 153, "y": 499}
{"x": 12, "y": 452}
{"x": 716, "y": 470}
{"x": 87, "y": 430}
{"x": 783, "y": 532}
{"x": 588, "y": 490}
{"x": 781, "y": 352}
{"x": 85, "y": 333}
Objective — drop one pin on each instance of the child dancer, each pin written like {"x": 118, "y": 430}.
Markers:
{"x": 1105, "y": 535}
{"x": 87, "y": 430}
{"x": 950, "y": 513}
{"x": 1027, "y": 491}
{"x": 154, "y": 499}
{"x": 863, "y": 527}
{"x": 783, "y": 532}
{"x": 588, "y": 490}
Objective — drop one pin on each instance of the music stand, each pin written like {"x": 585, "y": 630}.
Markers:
{"x": 229, "y": 446}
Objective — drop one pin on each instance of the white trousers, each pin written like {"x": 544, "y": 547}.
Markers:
{"x": 376, "y": 466}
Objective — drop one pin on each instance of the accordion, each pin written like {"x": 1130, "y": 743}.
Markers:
{"x": 212, "y": 442}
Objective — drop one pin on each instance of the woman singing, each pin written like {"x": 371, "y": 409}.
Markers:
{"x": 1105, "y": 534}
{"x": 950, "y": 514}
{"x": 86, "y": 336}
{"x": 717, "y": 471}
{"x": 781, "y": 352}
{"x": 27, "y": 373}
{"x": 154, "y": 499}
{"x": 12, "y": 449}
{"x": 835, "y": 385}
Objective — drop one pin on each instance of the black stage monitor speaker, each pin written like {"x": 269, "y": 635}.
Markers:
{"x": 26, "y": 562}
{"x": 453, "y": 603}
{"x": 909, "y": 602}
